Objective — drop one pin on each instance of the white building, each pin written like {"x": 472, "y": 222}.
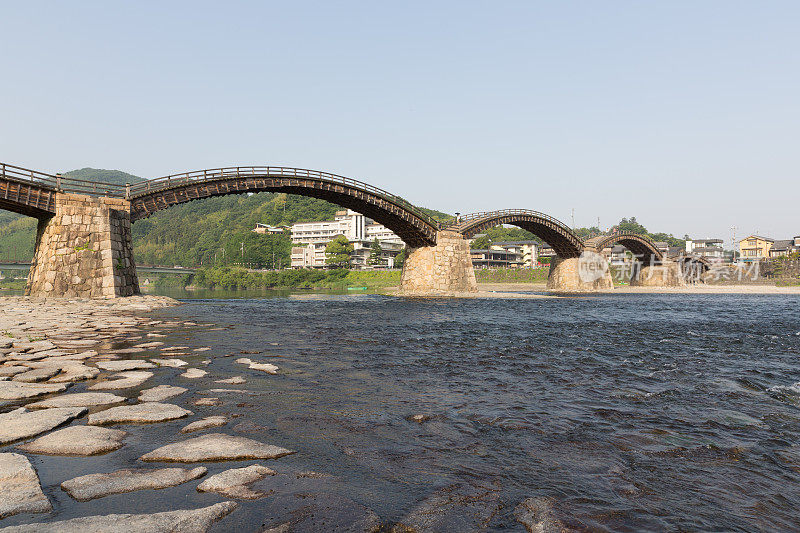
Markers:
{"x": 708, "y": 248}
{"x": 311, "y": 238}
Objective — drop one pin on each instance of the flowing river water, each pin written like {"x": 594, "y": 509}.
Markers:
{"x": 626, "y": 412}
{"x": 632, "y": 412}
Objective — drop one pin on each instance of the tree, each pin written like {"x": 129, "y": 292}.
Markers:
{"x": 375, "y": 252}
{"x": 337, "y": 252}
{"x": 400, "y": 260}
{"x": 631, "y": 225}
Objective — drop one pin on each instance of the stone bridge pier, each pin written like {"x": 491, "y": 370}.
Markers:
{"x": 662, "y": 274}
{"x": 84, "y": 250}
{"x": 586, "y": 273}
{"x": 439, "y": 270}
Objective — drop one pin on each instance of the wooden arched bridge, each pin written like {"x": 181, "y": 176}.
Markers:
{"x": 564, "y": 241}
{"x": 78, "y": 207}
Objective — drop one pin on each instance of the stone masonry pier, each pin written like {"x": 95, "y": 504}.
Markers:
{"x": 440, "y": 270}
{"x": 586, "y": 273}
{"x": 84, "y": 250}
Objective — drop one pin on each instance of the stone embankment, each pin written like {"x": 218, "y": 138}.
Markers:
{"x": 79, "y": 379}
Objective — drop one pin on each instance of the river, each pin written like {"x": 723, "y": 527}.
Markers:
{"x": 632, "y": 412}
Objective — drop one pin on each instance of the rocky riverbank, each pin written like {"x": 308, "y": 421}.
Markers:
{"x": 109, "y": 416}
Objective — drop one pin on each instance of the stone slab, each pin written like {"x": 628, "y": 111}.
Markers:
{"x": 11, "y": 390}
{"x": 93, "y": 486}
{"x": 22, "y": 424}
{"x": 205, "y": 423}
{"x": 142, "y": 413}
{"x": 160, "y": 393}
{"x": 215, "y": 447}
{"x": 127, "y": 364}
{"x": 20, "y": 488}
{"x": 126, "y": 380}
{"x": 76, "y": 441}
{"x": 183, "y": 521}
{"x": 234, "y": 483}
{"x": 78, "y": 399}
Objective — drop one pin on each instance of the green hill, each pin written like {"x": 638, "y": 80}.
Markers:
{"x": 114, "y": 177}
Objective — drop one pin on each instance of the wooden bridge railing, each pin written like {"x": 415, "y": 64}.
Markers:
{"x": 59, "y": 183}
{"x": 199, "y": 176}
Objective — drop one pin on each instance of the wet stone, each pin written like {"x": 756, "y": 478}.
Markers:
{"x": 215, "y": 447}
{"x": 125, "y": 380}
{"x": 120, "y": 366}
{"x": 143, "y": 413}
{"x": 11, "y": 390}
{"x": 455, "y": 508}
{"x": 75, "y": 372}
{"x": 208, "y": 402}
{"x": 22, "y": 424}
{"x": 194, "y": 373}
{"x": 269, "y": 368}
{"x": 77, "y": 441}
{"x": 319, "y": 512}
{"x": 160, "y": 393}
{"x": 536, "y": 514}
{"x": 19, "y": 486}
{"x": 234, "y": 483}
{"x": 205, "y": 423}
{"x": 93, "y": 486}
{"x": 183, "y": 521}
{"x": 78, "y": 399}
{"x": 13, "y": 370}
{"x": 235, "y": 380}
{"x": 36, "y": 375}
{"x": 171, "y": 363}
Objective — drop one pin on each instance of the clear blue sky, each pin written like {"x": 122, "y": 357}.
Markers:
{"x": 683, "y": 114}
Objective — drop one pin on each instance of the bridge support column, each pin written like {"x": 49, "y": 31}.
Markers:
{"x": 664, "y": 274}
{"x": 586, "y": 273}
{"x": 84, "y": 250}
{"x": 440, "y": 270}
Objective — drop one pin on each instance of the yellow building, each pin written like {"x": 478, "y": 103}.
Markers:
{"x": 754, "y": 248}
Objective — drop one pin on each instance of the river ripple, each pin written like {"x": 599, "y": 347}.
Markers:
{"x": 634, "y": 412}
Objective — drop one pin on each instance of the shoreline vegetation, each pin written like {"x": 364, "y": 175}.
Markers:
{"x": 233, "y": 278}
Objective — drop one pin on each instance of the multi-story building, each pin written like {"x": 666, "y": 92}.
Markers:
{"x": 496, "y": 257}
{"x": 708, "y": 248}
{"x": 755, "y": 248}
{"x": 527, "y": 250}
{"x": 311, "y": 238}
{"x": 785, "y": 248}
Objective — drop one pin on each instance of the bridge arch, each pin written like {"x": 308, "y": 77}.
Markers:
{"x": 410, "y": 223}
{"x": 641, "y": 246}
{"x": 564, "y": 241}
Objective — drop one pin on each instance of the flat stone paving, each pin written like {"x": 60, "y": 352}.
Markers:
{"x": 183, "y": 521}
{"x": 19, "y": 487}
{"x": 142, "y": 413}
{"x": 93, "y": 486}
{"x": 78, "y": 399}
{"x": 76, "y": 440}
{"x": 215, "y": 447}
{"x": 21, "y": 424}
{"x": 66, "y": 358}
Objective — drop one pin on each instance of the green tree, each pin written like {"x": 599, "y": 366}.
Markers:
{"x": 337, "y": 252}
{"x": 400, "y": 260}
{"x": 631, "y": 225}
{"x": 375, "y": 252}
